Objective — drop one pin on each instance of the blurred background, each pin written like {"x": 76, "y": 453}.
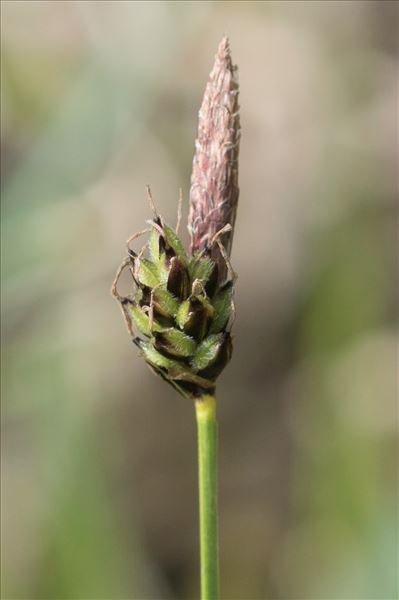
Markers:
{"x": 99, "y": 496}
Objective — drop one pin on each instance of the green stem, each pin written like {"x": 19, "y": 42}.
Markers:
{"x": 205, "y": 408}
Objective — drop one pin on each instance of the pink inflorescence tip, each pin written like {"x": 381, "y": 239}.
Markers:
{"x": 214, "y": 181}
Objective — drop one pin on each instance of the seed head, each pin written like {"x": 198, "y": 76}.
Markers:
{"x": 181, "y": 307}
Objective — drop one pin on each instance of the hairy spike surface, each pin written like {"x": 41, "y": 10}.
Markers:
{"x": 214, "y": 181}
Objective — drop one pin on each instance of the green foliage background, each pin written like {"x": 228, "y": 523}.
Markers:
{"x": 98, "y": 457}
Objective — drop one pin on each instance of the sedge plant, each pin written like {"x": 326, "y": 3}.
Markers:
{"x": 181, "y": 308}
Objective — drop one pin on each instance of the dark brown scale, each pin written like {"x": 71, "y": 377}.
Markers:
{"x": 159, "y": 314}
{"x": 164, "y": 247}
{"x": 212, "y": 283}
{"x": 226, "y": 286}
{"x": 198, "y": 321}
{"x": 220, "y": 361}
{"x": 146, "y": 297}
{"x": 178, "y": 279}
{"x": 162, "y": 320}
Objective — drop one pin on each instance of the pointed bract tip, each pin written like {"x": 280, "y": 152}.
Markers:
{"x": 223, "y": 51}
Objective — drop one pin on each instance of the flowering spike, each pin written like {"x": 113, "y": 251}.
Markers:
{"x": 181, "y": 309}
{"x": 214, "y": 181}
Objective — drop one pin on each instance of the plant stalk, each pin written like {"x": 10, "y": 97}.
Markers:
{"x": 205, "y": 408}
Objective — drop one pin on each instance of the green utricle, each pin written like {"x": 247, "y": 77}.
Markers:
{"x": 183, "y": 312}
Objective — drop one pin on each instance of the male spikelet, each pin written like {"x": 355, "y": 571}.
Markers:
{"x": 181, "y": 310}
